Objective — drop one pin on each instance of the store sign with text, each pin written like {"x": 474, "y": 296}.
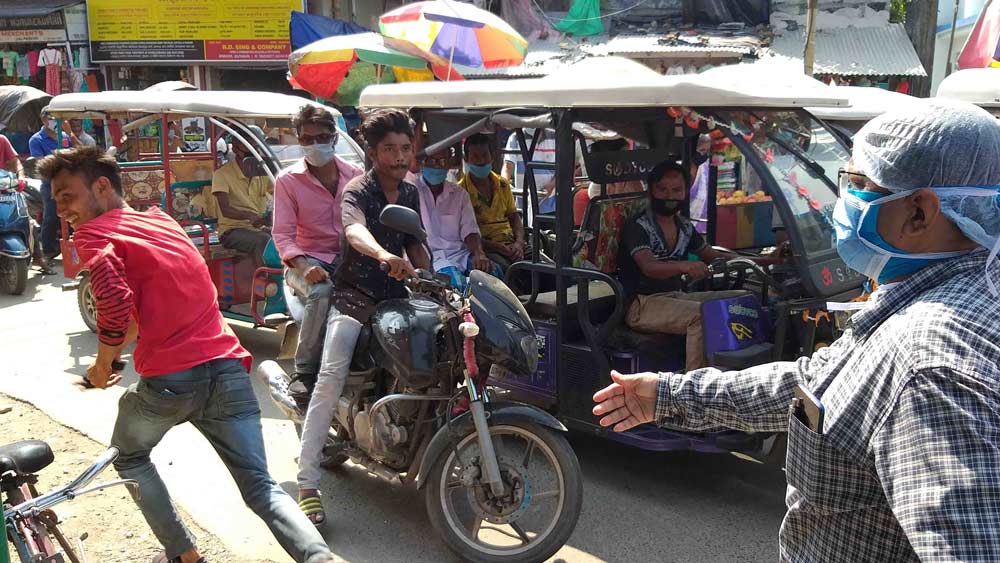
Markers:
{"x": 33, "y": 29}
{"x": 190, "y": 30}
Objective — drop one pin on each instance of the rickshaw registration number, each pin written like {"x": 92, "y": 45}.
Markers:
{"x": 4, "y": 198}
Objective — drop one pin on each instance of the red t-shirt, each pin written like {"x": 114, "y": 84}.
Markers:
{"x": 144, "y": 266}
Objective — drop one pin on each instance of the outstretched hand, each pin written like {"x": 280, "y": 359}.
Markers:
{"x": 629, "y": 401}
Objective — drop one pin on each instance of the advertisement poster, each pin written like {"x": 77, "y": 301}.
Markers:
{"x": 32, "y": 29}
{"x": 195, "y": 134}
{"x": 190, "y": 30}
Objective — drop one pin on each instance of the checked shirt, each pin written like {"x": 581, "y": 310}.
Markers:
{"x": 907, "y": 467}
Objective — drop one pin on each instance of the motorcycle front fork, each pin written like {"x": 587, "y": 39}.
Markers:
{"x": 487, "y": 454}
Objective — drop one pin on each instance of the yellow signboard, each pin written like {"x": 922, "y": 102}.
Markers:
{"x": 190, "y": 30}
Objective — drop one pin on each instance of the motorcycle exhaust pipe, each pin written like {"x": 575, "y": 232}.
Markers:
{"x": 277, "y": 385}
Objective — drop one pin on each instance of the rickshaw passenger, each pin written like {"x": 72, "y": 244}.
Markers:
{"x": 307, "y": 229}
{"x": 359, "y": 283}
{"x": 447, "y": 214}
{"x": 242, "y": 207}
{"x": 499, "y": 221}
{"x": 658, "y": 244}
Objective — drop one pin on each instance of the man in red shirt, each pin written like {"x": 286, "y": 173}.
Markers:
{"x": 151, "y": 285}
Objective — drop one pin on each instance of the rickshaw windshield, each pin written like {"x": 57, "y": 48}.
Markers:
{"x": 803, "y": 157}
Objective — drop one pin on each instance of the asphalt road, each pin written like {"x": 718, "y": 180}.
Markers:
{"x": 638, "y": 506}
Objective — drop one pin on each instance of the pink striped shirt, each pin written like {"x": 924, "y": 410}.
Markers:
{"x": 306, "y": 215}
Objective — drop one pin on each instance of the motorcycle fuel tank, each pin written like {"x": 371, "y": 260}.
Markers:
{"x": 406, "y": 330}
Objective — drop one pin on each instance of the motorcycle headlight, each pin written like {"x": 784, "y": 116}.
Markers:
{"x": 529, "y": 344}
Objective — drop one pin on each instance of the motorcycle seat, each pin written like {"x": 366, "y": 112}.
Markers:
{"x": 25, "y": 457}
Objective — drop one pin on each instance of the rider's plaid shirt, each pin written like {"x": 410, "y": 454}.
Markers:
{"x": 908, "y": 465}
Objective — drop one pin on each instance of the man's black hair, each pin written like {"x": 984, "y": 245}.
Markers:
{"x": 477, "y": 139}
{"x": 89, "y": 162}
{"x": 381, "y": 122}
{"x": 313, "y": 114}
{"x": 664, "y": 168}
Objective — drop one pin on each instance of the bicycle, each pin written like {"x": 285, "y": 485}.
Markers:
{"x": 28, "y": 518}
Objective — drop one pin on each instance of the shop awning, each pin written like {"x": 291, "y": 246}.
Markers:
{"x": 855, "y": 51}
{"x": 20, "y": 8}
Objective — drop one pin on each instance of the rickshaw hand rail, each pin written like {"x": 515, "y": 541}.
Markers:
{"x": 583, "y": 293}
{"x": 205, "y": 250}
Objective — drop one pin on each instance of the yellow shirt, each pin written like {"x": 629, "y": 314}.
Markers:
{"x": 245, "y": 194}
{"x": 492, "y": 216}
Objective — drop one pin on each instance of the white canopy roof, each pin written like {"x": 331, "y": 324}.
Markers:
{"x": 598, "y": 82}
{"x": 236, "y": 104}
{"x": 866, "y": 103}
{"x": 980, "y": 86}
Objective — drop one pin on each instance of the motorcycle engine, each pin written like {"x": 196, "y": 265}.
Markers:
{"x": 386, "y": 435}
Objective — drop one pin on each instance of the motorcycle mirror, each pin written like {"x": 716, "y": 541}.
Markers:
{"x": 404, "y": 220}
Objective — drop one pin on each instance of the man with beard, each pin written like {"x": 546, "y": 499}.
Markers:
{"x": 655, "y": 251}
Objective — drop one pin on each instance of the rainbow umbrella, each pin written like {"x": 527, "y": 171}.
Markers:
{"x": 458, "y": 32}
{"x": 320, "y": 67}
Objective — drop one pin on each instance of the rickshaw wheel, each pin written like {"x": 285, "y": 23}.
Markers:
{"x": 85, "y": 301}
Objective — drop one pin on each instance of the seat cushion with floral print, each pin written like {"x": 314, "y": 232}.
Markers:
{"x": 600, "y": 234}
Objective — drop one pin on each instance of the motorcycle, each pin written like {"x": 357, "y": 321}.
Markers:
{"x": 17, "y": 240}
{"x": 501, "y": 482}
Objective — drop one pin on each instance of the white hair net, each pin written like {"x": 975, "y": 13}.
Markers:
{"x": 938, "y": 143}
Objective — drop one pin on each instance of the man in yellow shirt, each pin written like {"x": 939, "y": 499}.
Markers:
{"x": 500, "y": 223}
{"x": 243, "y": 202}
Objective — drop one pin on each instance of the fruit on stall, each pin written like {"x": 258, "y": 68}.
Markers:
{"x": 739, "y": 196}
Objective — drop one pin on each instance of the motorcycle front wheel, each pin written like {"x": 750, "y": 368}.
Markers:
{"x": 540, "y": 507}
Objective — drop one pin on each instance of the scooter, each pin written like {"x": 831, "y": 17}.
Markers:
{"x": 500, "y": 481}
{"x": 17, "y": 240}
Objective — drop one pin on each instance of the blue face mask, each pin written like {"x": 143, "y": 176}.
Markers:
{"x": 855, "y": 220}
{"x": 434, "y": 176}
{"x": 479, "y": 170}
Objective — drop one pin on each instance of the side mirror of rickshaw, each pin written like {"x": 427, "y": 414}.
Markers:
{"x": 404, "y": 220}
{"x": 252, "y": 167}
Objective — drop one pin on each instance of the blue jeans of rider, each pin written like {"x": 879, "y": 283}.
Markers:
{"x": 50, "y": 222}
{"x": 218, "y": 399}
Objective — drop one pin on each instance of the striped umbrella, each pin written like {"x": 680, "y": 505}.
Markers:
{"x": 458, "y": 32}
{"x": 320, "y": 67}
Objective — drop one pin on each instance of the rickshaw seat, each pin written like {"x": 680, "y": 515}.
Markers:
{"x": 545, "y": 303}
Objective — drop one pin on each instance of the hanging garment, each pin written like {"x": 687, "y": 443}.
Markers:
{"x": 9, "y": 60}
{"x": 33, "y": 62}
{"x": 52, "y": 60}
{"x": 24, "y": 67}
{"x": 584, "y": 18}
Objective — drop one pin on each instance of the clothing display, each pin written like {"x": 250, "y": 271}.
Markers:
{"x": 52, "y": 60}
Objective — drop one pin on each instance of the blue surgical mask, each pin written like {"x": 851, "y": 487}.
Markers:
{"x": 434, "y": 176}
{"x": 855, "y": 220}
{"x": 479, "y": 170}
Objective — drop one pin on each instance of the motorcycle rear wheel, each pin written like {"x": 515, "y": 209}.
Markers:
{"x": 533, "y": 487}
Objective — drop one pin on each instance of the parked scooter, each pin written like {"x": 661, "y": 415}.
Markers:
{"x": 17, "y": 241}
{"x": 502, "y": 483}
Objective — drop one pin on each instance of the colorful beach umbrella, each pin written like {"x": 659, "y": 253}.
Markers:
{"x": 320, "y": 67}
{"x": 460, "y": 33}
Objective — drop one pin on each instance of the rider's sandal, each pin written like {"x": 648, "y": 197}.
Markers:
{"x": 313, "y": 509}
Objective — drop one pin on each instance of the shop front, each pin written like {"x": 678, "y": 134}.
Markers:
{"x": 213, "y": 45}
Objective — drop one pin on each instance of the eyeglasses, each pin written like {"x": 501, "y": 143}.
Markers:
{"x": 322, "y": 139}
{"x": 848, "y": 180}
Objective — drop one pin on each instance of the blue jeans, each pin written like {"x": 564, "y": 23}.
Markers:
{"x": 218, "y": 399}
{"x": 50, "y": 222}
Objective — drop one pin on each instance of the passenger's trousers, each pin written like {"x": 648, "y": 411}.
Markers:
{"x": 678, "y": 313}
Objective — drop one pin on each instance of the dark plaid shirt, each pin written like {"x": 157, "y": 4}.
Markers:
{"x": 360, "y": 284}
{"x": 907, "y": 467}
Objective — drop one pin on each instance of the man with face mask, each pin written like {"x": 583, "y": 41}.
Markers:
{"x": 894, "y": 430}
{"x": 447, "y": 215}
{"x": 152, "y": 287}
{"x": 307, "y": 228}
{"x": 655, "y": 250}
{"x": 47, "y": 140}
{"x": 243, "y": 201}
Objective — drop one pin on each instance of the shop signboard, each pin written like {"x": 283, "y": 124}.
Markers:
{"x": 124, "y": 31}
{"x": 33, "y": 29}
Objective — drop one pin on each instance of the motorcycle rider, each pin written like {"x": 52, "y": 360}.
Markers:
{"x": 360, "y": 283}
{"x": 193, "y": 367}
{"x": 307, "y": 229}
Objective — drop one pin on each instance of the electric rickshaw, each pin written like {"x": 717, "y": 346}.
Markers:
{"x": 179, "y": 181}
{"x": 768, "y": 156}
{"x": 980, "y": 86}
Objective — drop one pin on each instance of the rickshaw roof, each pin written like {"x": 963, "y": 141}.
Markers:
{"x": 216, "y": 103}
{"x": 598, "y": 82}
{"x": 866, "y": 103}
{"x": 980, "y": 86}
